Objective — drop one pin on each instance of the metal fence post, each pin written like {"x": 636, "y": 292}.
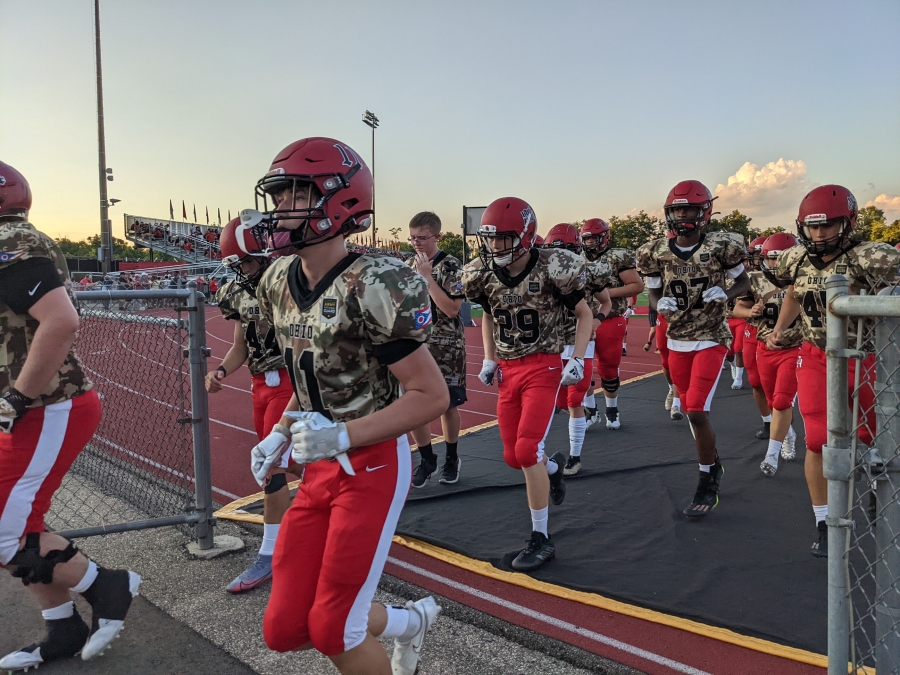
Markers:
{"x": 197, "y": 355}
{"x": 837, "y": 464}
{"x": 887, "y": 530}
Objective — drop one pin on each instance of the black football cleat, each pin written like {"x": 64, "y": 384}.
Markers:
{"x": 763, "y": 434}
{"x": 557, "y": 483}
{"x": 64, "y": 639}
{"x": 539, "y": 550}
{"x": 422, "y": 473}
{"x": 820, "y": 546}
{"x": 706, "y": 498}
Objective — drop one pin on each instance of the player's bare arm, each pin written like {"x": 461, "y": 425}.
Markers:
{"x": 746, "y": 309}
{"x": 583, "y": 328}
{"x": 55, "y": 334}
{"x": 653, "y": 296}
{"x": 445, "y": 303}
{"x": 425, "y": 397}
{"x": 634, "y": 285}
{"x": 487, "y": 337}
{"x": 790, "y": 310}
{"x": 234, "y": 359}
{"x": 605, "y": 300}
{"x": 740, "y": 287}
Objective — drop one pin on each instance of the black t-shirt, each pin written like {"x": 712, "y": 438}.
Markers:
{"x": 26, "y": 282}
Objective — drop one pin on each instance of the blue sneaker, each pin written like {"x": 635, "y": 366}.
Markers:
{"x": 259, "y": 572}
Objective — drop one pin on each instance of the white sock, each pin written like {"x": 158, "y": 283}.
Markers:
{"x": 705, "y": 468}
{"x": 589, "y": 400}
{"x": 64, "y": 611}
{"x": 676, "y": 402}
{"x": 821, "y": 512}
{"x": 270, "y": 534}
{"x": 552, "y": 467}
{"x": 767, "y": 418}
{"x": 612, "y": 402}
{"x": 402, "y": 623}
{"x": 539, "y": 520}
{"x": 89, "y": 577}
{"x": 577, "y": 425}
{"x": 773, "y": 451}
{"x": 791, "y": 433}
{"x": 672, "y": 387}
{"x": 740, "y": 372}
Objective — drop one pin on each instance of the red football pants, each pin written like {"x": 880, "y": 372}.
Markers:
{"x": 608, "y": 346}
{"x": 811, "y": 386}
{"x": 528, "y": 387}
{"x": 331, "y": 549}
{"x": 695, "y": 375}
{"x": 750, "y": 350}
{"x": 736, "y": 326}
{"x": 269, "y": 402}
{"x": 778, "y": 375}
{"x": 33, "y": 460}
{"x": 573, "y": 396}
{"x": 662, "y": 342}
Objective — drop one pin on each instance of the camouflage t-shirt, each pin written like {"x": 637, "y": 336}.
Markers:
{"x": 598, "y": 276}
{"x": 618, "y": 260}
{"x": 20, "y": 242}
{"x": 236, "y": 304}
{"x": 869, "y": 266}
{"x": 528, "y": 309}
{"x": 339, "y": 337}
{"x": 687, "y": 274}
{"x": 447, "y": 343}
{"x": 766, "y": 290}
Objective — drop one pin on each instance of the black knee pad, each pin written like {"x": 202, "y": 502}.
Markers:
{"x": 611, "y": 386}
{"x": 276, "y": 482}
{"x": 32, "y": 567}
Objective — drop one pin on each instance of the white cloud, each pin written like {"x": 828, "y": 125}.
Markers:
{"x": 653, "y": 213}
{"x": 890, "y": 204}
{"x": 770, "y": 193}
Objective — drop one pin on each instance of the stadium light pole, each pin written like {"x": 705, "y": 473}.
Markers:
{"x": 105, "y": 173}
{"x": 372, "y": 121}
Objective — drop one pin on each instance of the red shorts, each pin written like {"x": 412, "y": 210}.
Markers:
{"x": 695, "y": 375}
{"x": 736, "y": 326}
{"x": 777, "y": 374}
{"x": 608, "y": 347}
{"x": 573, "y": 396}
{"x": 269, "y": 402}
{"x": 33, "y": 461}
{"x": 750, "y": 349}
{"x": 662, "y": 342}
{"x": 811, "y": 386}
{"x": 331, "y": 549}
{"x": 528, "y": 389}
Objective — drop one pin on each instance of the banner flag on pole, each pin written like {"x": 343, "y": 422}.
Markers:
{"x": 220, "y": 216}
{"x": 171, "y": 211}
{"x": 195, "y": 213}
{"x": 207, "y": 215}
{"x": 183, "y": 210}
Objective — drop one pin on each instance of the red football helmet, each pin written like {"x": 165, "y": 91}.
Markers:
{"x": 539, "y": 242}
{"x": 595, "y": 238}
{"x": 697, "y": 199}
{"x": 778, "y": 243}
{"x": 509, "y": 218}
{"x": 755, "y": 250}
{"x": 827, "y": 205}
{"x": 564, "y": 236}
{"x": 340, "y": 194}
{"x": 238, "y": 244}
{"x": 897, "y": 246}
{"x": 15, "y": 194}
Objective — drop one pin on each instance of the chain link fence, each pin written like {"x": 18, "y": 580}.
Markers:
{"x": 862, "y": 464}
{"x": 151, "y": 450}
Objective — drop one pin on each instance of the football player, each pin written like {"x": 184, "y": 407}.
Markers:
{"x": 48, "y": 412}
{"x": 749, "y": 346}
{"x": 447, "y": 343}
{"x": 825, "y": 225}
{"x": 525, "y": 293}
{"x": 777, "y": 368}
{"x": 254, "y": 343}
{"x": 625, "y": 283}
{"x": 352, "y": 328}
{"x": 686, "y": 278}
{"x": 573, "y": 397}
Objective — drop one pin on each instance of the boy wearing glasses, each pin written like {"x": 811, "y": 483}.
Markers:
{"x": 447, "y": 343}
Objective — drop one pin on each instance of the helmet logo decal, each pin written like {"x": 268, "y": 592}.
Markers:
{"x": 815, "y": 218}
{"x": 527, "y": 218}
{"x": 277, "y": 171}
{"x": 2, "y": 180}
{"x": 350, "y": 158}
{"x": 851, "y": 202}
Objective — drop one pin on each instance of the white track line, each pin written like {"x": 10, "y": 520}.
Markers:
{"x": 552, "y": 621}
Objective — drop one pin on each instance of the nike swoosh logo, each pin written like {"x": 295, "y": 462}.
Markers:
{"x": 370, "y": 469}
{"x": 33, "y": 290}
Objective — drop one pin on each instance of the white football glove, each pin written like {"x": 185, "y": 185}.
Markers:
{"x": 714, "y": 294}
{"x": 487, "y": 372}
{"x": 268, "y": 452}
{"x": 628, "y": 312}
{"x": 573, "y": 372}
{"x": 8, "y": 416}
{"x": 666, "y": 305}
{"x": 316, "y": 437}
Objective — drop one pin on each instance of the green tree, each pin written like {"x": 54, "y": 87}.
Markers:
{"x": 733, "y": 222}
{"x": 633, "y": 231}
{"x": 768, "y": 232}
{"x": 122, "y": 250}
{"x": 889, "y": 234}
{"x": 452, "y": 243}
{"x": 870, "y": 218}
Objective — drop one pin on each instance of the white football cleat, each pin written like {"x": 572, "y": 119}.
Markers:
{"x": 669, "y": 397}
{"x": 675, "y": 413}
{"x": 788, "y": 451}
{"x": 405, "y": 660}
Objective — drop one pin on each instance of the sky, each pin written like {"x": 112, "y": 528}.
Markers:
{"x": 583, "y": 109}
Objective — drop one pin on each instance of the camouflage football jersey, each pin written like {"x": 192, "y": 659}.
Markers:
{"x": 598, "y": 276}
{"x": 19, "y": 242}
{"x": 528, "y": 309}
{"x": 331, "y": 335}
{"x": 618, "y": 260}
{"x": 768, "y": 291}
{"x": 236, "y": 304}
{"x": 687, "y": 274}
{"x": 447, "y": 343}
{"x": 869, "y": 266}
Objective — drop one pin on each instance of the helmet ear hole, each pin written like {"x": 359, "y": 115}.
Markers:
{"x": 350, "y": 203}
